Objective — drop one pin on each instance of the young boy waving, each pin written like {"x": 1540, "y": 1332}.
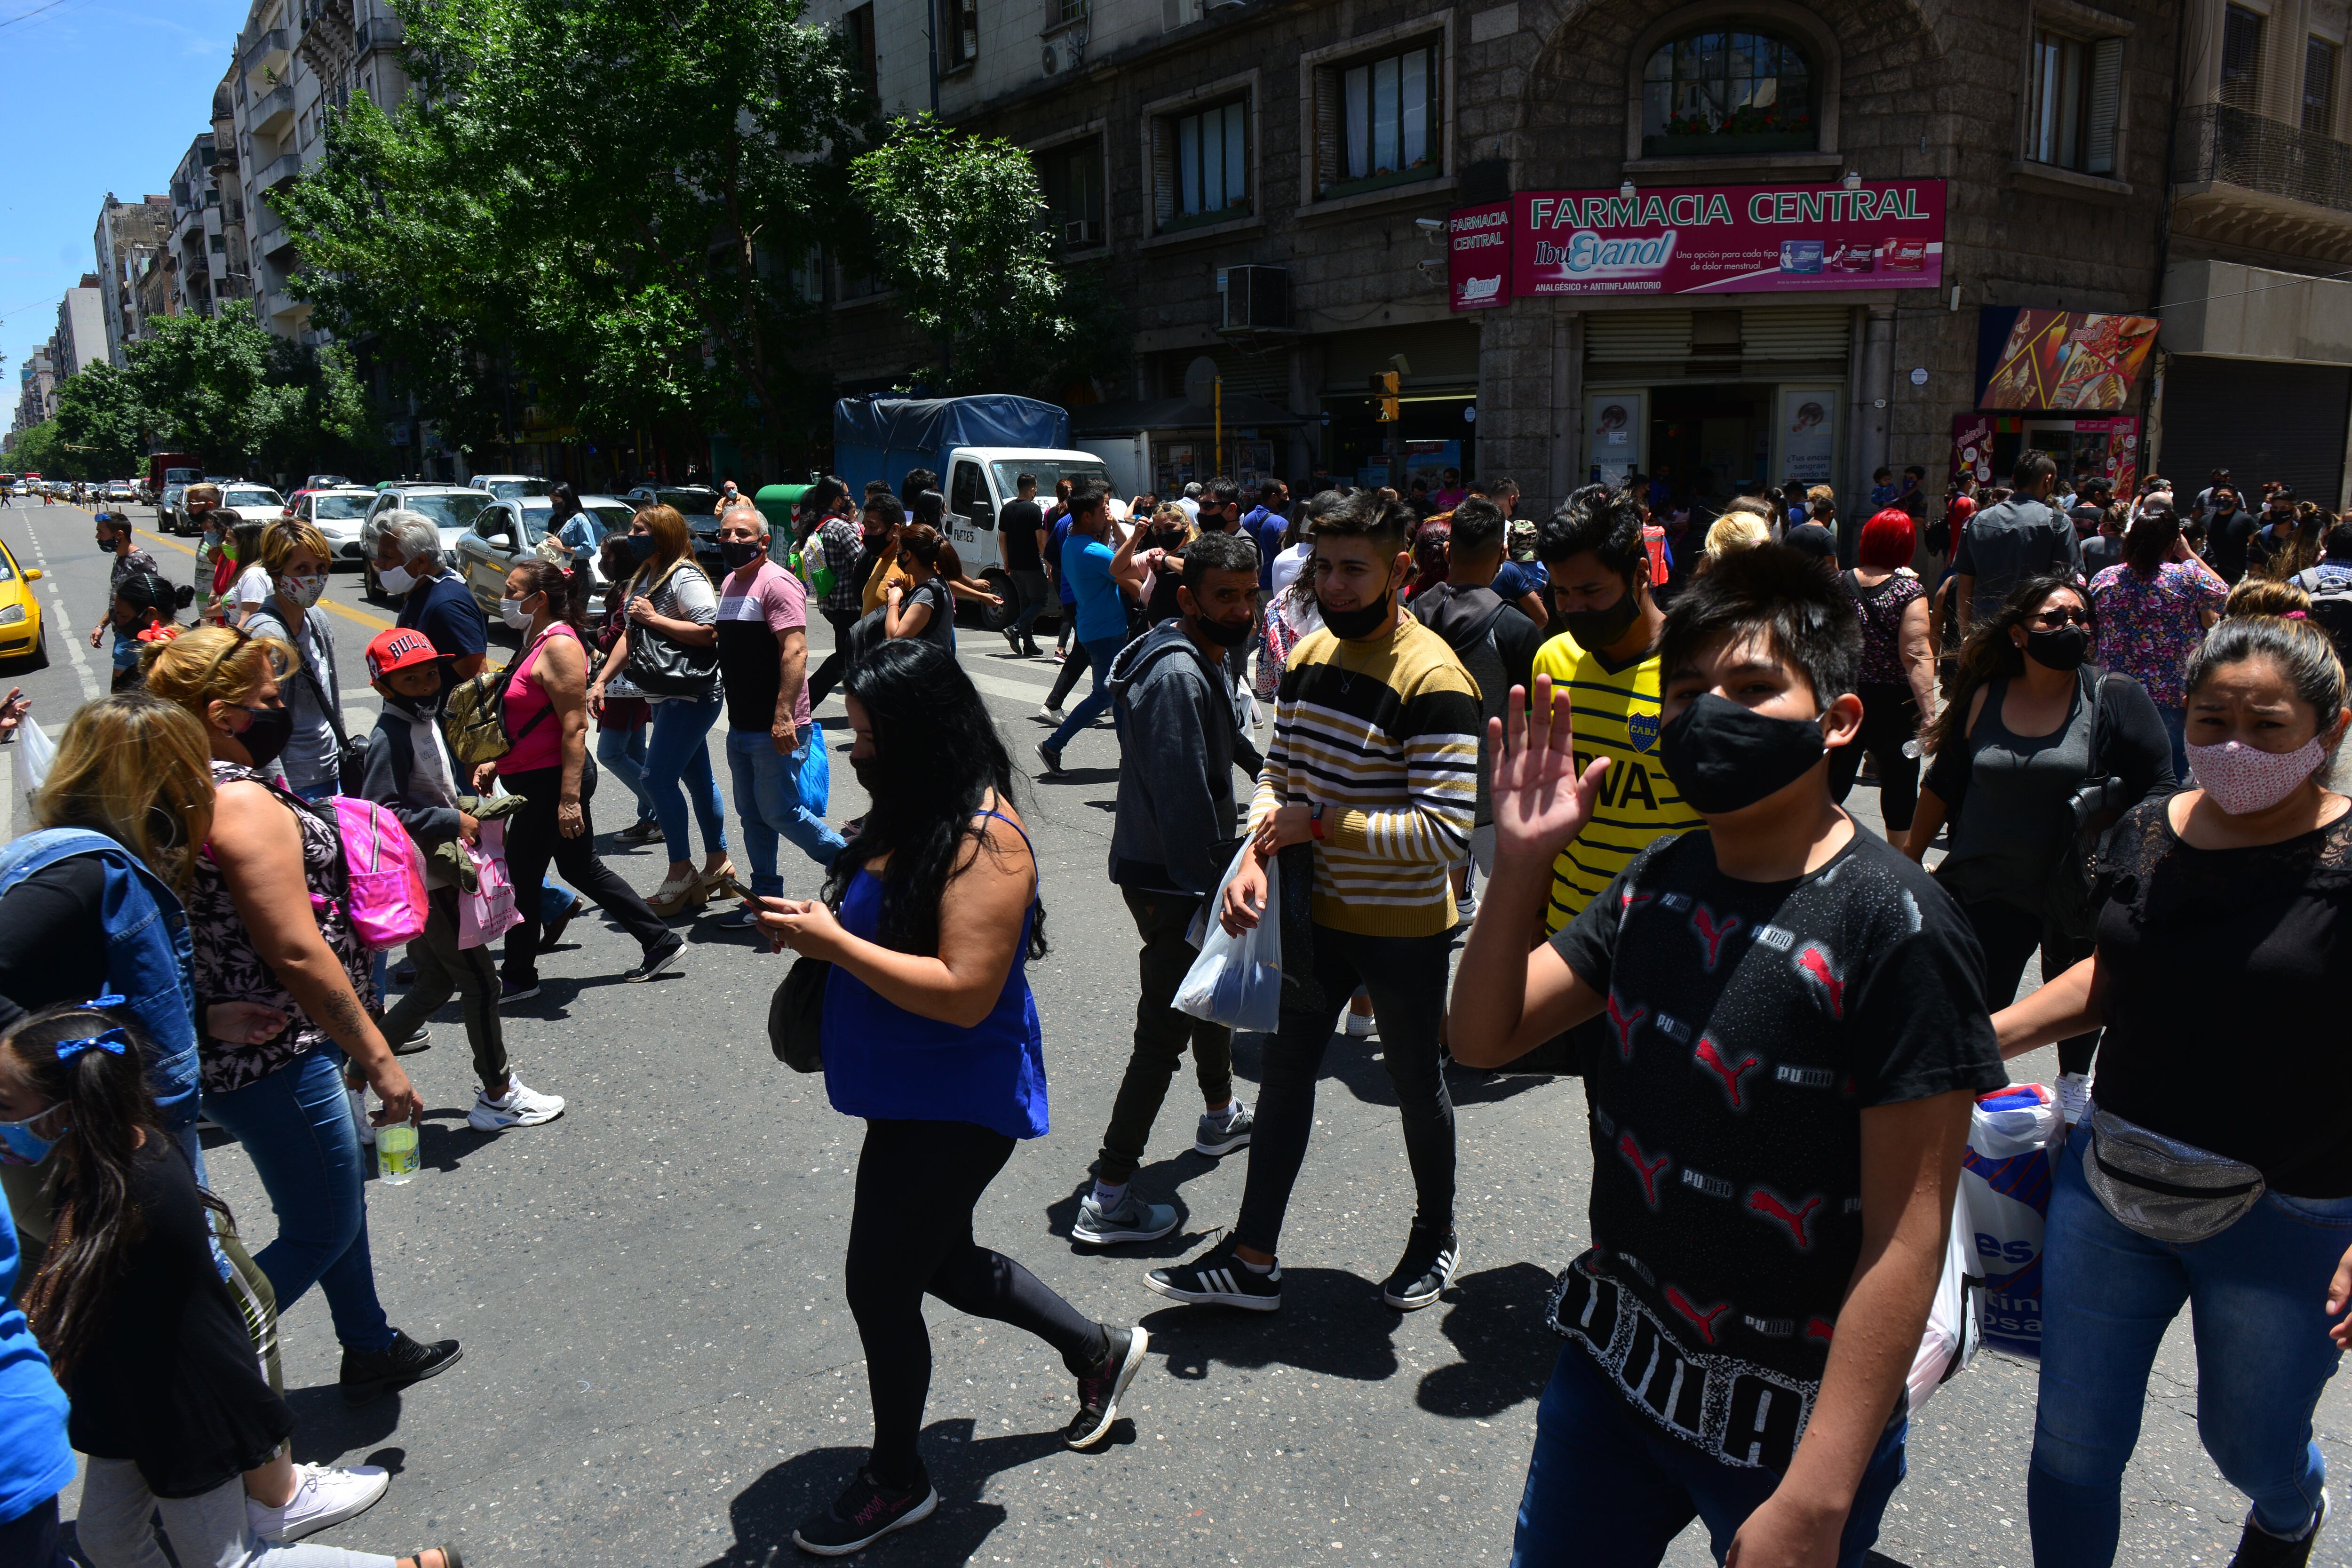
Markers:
{"x": 1795, "y": 1028}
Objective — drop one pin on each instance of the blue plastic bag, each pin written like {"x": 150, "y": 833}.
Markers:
{"x": 817, "y": 772}
{"x": 1237, "y": 980}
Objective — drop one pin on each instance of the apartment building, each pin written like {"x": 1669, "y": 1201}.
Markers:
{"x": 128, "y": 241}
{"x": 196, "y": 262}
{"x": 37, "y": 390}
{"x": 80, "y": 338}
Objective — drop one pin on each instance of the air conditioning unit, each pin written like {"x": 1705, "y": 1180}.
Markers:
{"x": 1257, "y": 299}
{"x": 1082, "y": 235}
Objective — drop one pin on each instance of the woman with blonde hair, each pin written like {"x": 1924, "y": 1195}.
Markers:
{"x": 2265, "y": 596}
{"x": 270, "y": 929}
{"x": 1736, "y": 530}
{"x": 295, "y": 557}
{"x": 670, "y": 650}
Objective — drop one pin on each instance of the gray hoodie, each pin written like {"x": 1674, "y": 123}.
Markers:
{"x": 1176, "y": 811}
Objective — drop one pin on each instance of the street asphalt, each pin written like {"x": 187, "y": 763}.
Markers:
{"x": 660, "y": 1368}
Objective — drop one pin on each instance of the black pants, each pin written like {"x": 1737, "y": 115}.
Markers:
{"x": 1072, "y": 668}
{"x": 1890, "y": 716}
{"x": 31, "y": 1539}
{"x": 444, "y": 969}
{"x": 2008, "y": 936}
{"x": 910, "y": 1235}
{"x": 828, "y": 674}
{"x": 1406, "y": 975}
{"x": 533, "y": 838}
{"x": 1162, "y": 1033}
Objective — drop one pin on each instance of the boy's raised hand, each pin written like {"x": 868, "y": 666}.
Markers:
{"x": 1540, "y": 802}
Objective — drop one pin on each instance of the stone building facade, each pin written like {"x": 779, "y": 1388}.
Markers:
{"x": 128, "y": 241}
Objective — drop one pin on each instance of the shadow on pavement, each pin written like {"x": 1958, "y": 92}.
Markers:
{"x": 1080, "y": 776}
{"x": 326, "y": 1428}
{"x": 1495, "y": 1325}
{"x": 765, "y": 1513}
{"x": 1332, "y": 1323}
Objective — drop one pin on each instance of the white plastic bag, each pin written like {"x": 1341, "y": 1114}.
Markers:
{"x": 2014, "y": 1141}
{"x": 1237, "y": 980}
{"x": 488, "y": 912}
{"x": 36, "y": 754}
{"x": 1954, "y": 1318}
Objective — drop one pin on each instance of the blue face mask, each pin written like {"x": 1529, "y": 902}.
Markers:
{"x": 25, "y": 1146}
{"x": 640, "y": 546}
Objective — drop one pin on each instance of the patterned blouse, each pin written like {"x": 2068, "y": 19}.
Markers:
{"x": 230, "y": 969}
{"x": 1882, "y": 610}
{"x": 2149, "y": 626}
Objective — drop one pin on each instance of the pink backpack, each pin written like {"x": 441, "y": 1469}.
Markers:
{"x": 383, "y": 874}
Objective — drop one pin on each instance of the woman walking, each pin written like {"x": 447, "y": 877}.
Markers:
{"x": 920, "y": 605}
{"x": 2154, "y": 607}
{"x": 622, "y": 720}
{"x": 931, "y": 1035}
{"x": 1897, "y": 681}
{"x": 2227, "y": 902}
{"x": 295, "y": 556}
{"x": 546, "y": 708}
{"x": 673, "y": 618}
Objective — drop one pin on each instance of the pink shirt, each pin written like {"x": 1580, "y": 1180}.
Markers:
{"x": 543, "y": 747}
{"x": 749, "y": 616}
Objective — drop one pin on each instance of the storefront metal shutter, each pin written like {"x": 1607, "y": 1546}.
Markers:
{"x": 1636, "y": 337}
{"x": 1795, "y": 332}
{"x": 1772, "y": 335}
{"x": 2258, "y": 419}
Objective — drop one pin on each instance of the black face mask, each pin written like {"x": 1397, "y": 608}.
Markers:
{"x": 869, "y": 776}
{"x": 1595, "y": 630}
{"x": 739, "y": 553}
{"x": 1353, "y": 625}
{"x": 265, "y": 737}
{"x": 1723, "y": 757}
{"x": 640, "y": 546}
{"x": 2063, "y": 647}
{"x": 1217, "y": 632}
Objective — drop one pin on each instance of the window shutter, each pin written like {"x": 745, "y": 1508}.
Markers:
{"x": 1329, "y": 101}
{"x": 1163, "y": 173}
{"x": 1628, "y": 337}
{"x": 2106, "y": 103}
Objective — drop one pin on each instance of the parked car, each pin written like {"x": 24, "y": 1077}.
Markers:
{"x": 252, "y": 503}
{"x": 122, "y": 490}
{"x": 506, "y": 487}
{"x": 509, "y": 530}
{"x": 339, "y": 514}
{"x": 24, "y": 642}
{"x": 329, "y": 482}
{"x": 452, "y": 507}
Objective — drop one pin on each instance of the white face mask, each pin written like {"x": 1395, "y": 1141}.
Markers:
{"x": 511, "y": 612}
{"x": 303, "y": 589}
{"x": 396, "y": 579}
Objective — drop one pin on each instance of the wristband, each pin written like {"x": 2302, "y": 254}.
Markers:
{"x": 1315, "y": 821}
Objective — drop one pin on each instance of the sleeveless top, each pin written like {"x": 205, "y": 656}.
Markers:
{"x": 543, "y": 745}
{"x": 1882, "y": 605}
{"x": 230, "y": 969}
{"x": 2013, "y": 816}
{"x": 884, "y": 1062}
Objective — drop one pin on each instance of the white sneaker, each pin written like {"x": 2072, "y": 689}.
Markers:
{"x": 523, "y": 1107}
{"x": 323, "y": 1495}
{"x": 1052, "y": 715}
{"x": 360, "y": 1122}
{"x": 1359, "y": 1027}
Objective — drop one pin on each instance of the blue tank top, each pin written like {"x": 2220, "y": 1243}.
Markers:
{"x": 882, "y": 1061}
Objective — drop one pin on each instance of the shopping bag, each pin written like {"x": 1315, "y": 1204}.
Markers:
{"x": 36, "y": 754}
{"x": 817, "y": 772}
{"x": 1955, "y": 1317}
{"x": 1237, "y": 980}
{"x": 488, "y": 912}
{"x": 2015, "y": 1136}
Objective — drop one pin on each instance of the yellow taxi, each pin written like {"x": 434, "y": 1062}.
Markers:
{"x": 23, "y": 644}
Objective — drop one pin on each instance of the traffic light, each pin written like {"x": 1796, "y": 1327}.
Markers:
{"x": 1384, "y": 389}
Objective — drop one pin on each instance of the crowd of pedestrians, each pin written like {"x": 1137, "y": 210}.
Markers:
{"x": 1566, "y": 798}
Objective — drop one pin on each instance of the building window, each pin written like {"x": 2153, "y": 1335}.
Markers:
{"x": 959, "y": 34}
{"x": 219, "y": 244}
{"x": 2319, "y": 86}
{"x": 857, "y": 28}
{"x": 1068, "y": 11}
{"x": 1072, "y": 176}
{"x": 1201, "y": 163}
{"x": 2242, "y": 58}
{"x": 2077, "y": 90}
{"x": 1722, "y": 91}
{"x": 1377, "y": 121}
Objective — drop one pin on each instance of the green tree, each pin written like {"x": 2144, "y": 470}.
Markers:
{"x": 100, "y": 419}
{"x": 218, "y": 385}
{"x": 41, "y": 449}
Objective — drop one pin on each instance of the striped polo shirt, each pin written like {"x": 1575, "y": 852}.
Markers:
{"x": 1616, "y": 716}
{"x": 1384, "y": 736}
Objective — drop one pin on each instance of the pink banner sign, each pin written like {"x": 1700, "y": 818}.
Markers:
{"x": 1478, "y": 256}
{"x": 1774, "y": 239}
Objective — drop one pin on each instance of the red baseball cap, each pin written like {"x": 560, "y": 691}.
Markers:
{"x": 397, "y": 649}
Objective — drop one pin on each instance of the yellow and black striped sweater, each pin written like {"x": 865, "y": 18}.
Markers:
{"x": 1384, "y": 736}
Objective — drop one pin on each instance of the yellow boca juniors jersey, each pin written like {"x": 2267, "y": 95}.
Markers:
{"x": 1616, "y": 716}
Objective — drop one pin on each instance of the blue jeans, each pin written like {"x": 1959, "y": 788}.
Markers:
{"x": 2255, "y": 1294}
{"x": 768, "y": 799}
{"x": 1090, "y": 706}
{"x": 296, "y": 1126}
{"x": 2176, "y": 727}
{"x": 622, "y": 754}
{"x": 1607, "y": 1487}
{"x": 676, "y": 751}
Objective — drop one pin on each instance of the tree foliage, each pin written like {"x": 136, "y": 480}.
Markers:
{"x": 99, "y": 423}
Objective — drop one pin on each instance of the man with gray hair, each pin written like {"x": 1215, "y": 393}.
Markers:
{"x": 433, "y": 599}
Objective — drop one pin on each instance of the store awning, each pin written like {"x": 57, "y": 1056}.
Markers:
{"x": 1241, "y": 412}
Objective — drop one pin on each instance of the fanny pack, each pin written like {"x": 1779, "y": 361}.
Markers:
{"x": 2164, "y": 1189}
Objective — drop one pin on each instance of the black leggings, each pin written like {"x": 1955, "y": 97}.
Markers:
{"x": 2008, "y": 936}
{"x": 534, "y": 838}
{"x": 1890, "y": 716}
{"x": 1072, "y": 668}
{"x": 835, "y": 664}
{"x": 910, "y": 1234}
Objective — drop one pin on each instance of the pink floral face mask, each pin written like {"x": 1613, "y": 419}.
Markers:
{"x": 2243, "y": 780}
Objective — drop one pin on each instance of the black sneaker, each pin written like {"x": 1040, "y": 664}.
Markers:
{"x": 1217, "y": 1136}
{"x": 639, "y": 832}
{"x": 1424, "y": 1272}
{"x": 420, "y": 1041}
{"x": 1099, "y": 1390}
{"x": 657, "y": 958}
{"x": 1220, "y": 1279}
{"x": 553, "y": 931}
{"x": 1050, "y": 757}
{"x": 372, "y": 1374}
{"x": 863, "y": 1514}
{"x": 2258, "y": 1548}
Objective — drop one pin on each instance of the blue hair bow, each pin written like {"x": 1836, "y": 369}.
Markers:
{"x": 115, "y": 1041}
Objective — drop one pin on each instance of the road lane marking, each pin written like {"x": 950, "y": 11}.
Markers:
{"x": 82, "y": 671}
{"x": 367, "y": 618}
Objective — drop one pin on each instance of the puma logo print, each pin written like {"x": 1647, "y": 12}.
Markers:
{"x": 1702, "y": 921}
{"x": 1625, "y": 1023}
{"x": 1647, "y": 1169}
{"x": 1702, "y": 1319}
{"x": 1629, "y": 901}
{"x": 1771, "y": 1204}
{"x": 1814, "y": 962}
{"x": 1710, "y": 1057}
{"x": 1819, "y": 1330}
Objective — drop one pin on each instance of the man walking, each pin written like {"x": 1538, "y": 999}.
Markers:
{"x": 1168, "y": 849}
{"x": 114, "y": 538}
{"x": 762, "y": 656}
{"x": 2003, "y": 545}
{"x": 1086, "y": 566}
{"x": 1372, "y": 761}
{"x": 1023, "y": 523}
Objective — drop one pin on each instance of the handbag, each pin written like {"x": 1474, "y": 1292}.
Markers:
{"x": 350, "y": 756}
{"x": 487, "y": 911}
{"x": 2070, "y": 901}
{"x": 796, "y": 1015}
{"x": 2166, "y": 1190}
{"x": 661, "y": 666}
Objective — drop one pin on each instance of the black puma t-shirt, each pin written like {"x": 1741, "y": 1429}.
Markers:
{"x": 1751, "y": 1024}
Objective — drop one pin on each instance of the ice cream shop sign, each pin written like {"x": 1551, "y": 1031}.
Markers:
{"x": 1707, "y": 239}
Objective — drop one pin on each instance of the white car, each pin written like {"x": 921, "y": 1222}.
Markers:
{"x": 340, "y": 515}
{"x": 452, "y": 507}
{"x": 252, "y": 503}
{"x": 503, "y": 534}
{"x": 511, "y": 487}
{"x": 122, "y": 490}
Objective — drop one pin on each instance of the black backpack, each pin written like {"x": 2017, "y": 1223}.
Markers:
{"x": 1483, "y": 657}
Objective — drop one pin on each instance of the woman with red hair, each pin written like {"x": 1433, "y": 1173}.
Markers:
{"x": 1898, "y": 679}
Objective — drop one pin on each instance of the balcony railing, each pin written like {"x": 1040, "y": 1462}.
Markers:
{"x": 380, "y": 33}
{"x": 2226, "y": 146}
{"x": 261, "y": 45}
